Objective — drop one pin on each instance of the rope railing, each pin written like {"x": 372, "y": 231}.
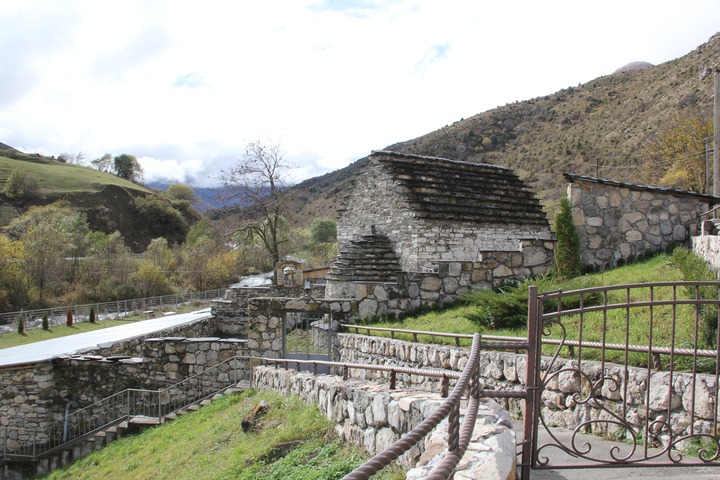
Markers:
{"x": 459, "y": 436}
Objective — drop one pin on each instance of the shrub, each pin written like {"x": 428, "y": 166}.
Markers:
{"x": 567, "y": 250}
{"x": 92, "y": 315}
{"x": 19, "y": 184}
{"x": 694, "y": 269}
{"x": 45, "y": 322}
{"x": 21, "y": 325}
{"x": 160, "y": 217}
{"x": 69, "y": 321}
{"x": 506, "y": 307}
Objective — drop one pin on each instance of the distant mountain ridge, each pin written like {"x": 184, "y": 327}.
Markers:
{"x": 597, "y": 128}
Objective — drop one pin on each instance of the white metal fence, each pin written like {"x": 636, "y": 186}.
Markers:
{"x": 105, "y": 310}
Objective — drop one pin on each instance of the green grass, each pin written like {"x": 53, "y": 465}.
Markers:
{"x": 657, "y": 269}
{"x": 56, "y": 178}
{"x": 210, "y": 444}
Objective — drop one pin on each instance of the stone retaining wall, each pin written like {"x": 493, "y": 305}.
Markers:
{"x": 37, "y": 394}
{"x": 370, "y": 416}
{"x": 618, "y": 222}
{"x": 707, "y": 247}
{"x": 266, "y": 319}
{"x": 26, "y": 399}
{"x": 448, "y": 281}
{"x": 565, "y": 385}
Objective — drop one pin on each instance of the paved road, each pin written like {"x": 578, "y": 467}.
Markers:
{"x": 636, "y": 473}
{"x": 49, "y": 349}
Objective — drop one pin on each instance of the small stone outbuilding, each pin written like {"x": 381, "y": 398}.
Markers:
{"x": 465, "y": 224}
{"x": 619, "y": 222}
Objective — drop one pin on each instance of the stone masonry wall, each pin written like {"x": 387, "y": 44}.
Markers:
{"x": 26, "y": 397}
{"x": 379, "y": 204}
{"x": 266, "y": 316}
{"x": 707, "y": 247}
{"x": 372, "y": 417}
{"x": 560, "y": 407}
{"x": 37, "y": 394}
{"x": 449, "y": 281}
{"x": 231, "y": 311}
{"x": 619, "y": 222}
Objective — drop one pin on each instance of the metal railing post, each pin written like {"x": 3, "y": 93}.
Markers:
{"x": 532, "y": 380}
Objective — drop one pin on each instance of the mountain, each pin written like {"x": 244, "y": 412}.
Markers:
{"x": 596, "y": 129}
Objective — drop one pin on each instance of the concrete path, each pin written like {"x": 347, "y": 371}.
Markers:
{"x": 611, "y": 473}
{"x": 49, "y": 349}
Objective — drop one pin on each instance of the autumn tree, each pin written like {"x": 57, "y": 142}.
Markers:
{"x": 676, "y": 156}
{"x": 13, "y": 278}
{"x": 106, "y": 271}
{"x": 257, "y": 182}
{"x": 149, "y": 280}
{"x": 46, "y": 233}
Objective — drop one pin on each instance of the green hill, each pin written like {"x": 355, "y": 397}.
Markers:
{"x": 110, "y": 203}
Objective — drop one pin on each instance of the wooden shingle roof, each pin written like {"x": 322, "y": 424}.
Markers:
{"x": 463, "y": 192}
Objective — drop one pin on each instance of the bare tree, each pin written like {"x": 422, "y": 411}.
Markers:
{"x": 104, "y": 163}
{"x": 257, "y": 183}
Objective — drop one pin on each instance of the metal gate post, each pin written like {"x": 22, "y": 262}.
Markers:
{"x": 532, "y": 381}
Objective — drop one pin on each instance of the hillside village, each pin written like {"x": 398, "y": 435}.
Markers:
{"x": 419, "y": 224}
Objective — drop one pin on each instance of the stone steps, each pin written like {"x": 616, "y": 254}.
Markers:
{"x": 370, "y": 258}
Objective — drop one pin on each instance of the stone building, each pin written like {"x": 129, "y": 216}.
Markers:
{"x": 619, "y": 222}
{"x": 445, "y": 225}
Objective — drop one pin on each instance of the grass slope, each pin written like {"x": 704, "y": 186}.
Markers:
{"x": 56, "y": 179}
{"x": 210, "y": 444}
{"x": 614, "y": 327}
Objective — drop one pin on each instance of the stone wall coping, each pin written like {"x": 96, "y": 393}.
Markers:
{"x": 572, "y": 178}
{"x": 77, "y": 359}
{"x": 195, "y": 340}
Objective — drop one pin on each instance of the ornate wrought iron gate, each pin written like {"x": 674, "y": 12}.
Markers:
{"x": 634, "y": 363}
{"x": 308, "y": 336}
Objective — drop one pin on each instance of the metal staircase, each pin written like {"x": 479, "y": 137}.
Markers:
{"x": 39, "y": 451}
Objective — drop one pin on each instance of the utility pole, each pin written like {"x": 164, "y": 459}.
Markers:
{"x": 707, "y": 165}
{"x": 716, "y": 132}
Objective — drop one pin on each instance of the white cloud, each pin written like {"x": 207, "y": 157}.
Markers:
{"x": 183, "y": 87}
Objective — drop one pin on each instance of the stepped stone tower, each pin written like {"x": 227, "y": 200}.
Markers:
{"x": 416, "y": 214}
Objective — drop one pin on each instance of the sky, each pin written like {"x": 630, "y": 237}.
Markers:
{"x": 185, "y": 85}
